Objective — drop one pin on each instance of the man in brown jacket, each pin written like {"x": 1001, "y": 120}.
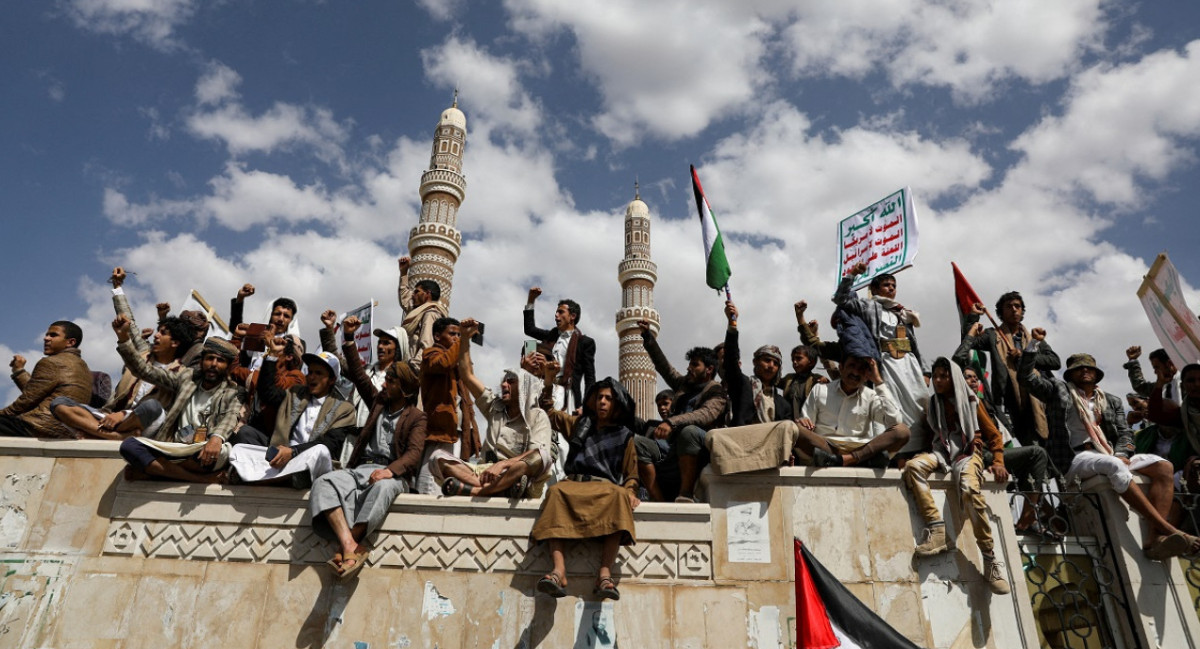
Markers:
{"x": 439, "y": 397}
{"x": 62, "y": 373}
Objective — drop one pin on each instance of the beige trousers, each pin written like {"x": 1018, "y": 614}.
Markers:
{"x": 968, "y": 476}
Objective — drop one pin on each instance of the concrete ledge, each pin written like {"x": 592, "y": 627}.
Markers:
{"x": 82, "y": 448}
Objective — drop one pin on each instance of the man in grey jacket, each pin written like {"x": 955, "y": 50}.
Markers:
{"x": 1089, "y": 437}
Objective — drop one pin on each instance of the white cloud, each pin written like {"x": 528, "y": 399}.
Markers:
{"x": 491, "y": 84}
{"x": 221, "y": 116}
{"x": 1119, "y": 125}
{"x": 968, "y": 46}
{"x": 664, "y": 69}
{"x": 442, "y": 10}
{"x": 153, "y": 22}
{"x": 218, "y": 83}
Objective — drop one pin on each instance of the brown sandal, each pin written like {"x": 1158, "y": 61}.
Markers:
{"x": 606, "y": 588}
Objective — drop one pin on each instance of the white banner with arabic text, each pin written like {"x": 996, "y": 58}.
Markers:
{"x": 882, "y": 235}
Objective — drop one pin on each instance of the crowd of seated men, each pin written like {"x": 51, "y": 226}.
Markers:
{"x": 258, "y": 407}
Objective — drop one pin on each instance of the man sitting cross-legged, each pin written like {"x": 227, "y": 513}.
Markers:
{"x": 348, "y": 505}
{"x": 190, "y": 446}
{"x": 959, "y": 428}
{"x": 310, "y": 427}
{"x": 516, "y": 450}
{"x": 1088, "y": 437}
{"x": 847, "y": 423}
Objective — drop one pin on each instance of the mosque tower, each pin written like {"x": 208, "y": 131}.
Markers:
{"x": 435, "y": 242}
{"x": 637, "y": 275}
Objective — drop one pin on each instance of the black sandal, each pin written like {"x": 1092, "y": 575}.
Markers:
{"x": 551, "y": 585}
{"x": 455, "y": 487}
{"x": 606, "y": 588}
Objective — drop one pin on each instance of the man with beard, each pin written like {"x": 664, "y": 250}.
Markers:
{"x": 761, "y": 433}
{"x": 1089, "y": 437}
{"x": 422, "y": 307}
{"x": 349, "y": 505}
{"x": 61, "y": 373}
{"x": 847, "y": 423}
{"x": 767, "y": 402}
{"x": 1024, "y": 416}
{"x": 575, "y": 352}
{"x": 698, "y": 405}
{"x": 190, "y": 445}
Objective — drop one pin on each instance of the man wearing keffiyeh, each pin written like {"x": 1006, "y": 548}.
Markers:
{"x": 1089, "y": 437}
{"x": 958, "y": 430}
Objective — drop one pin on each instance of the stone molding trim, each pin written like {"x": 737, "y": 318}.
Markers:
{"x": 271, "y": 525}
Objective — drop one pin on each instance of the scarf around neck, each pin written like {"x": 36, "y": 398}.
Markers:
{"x": 907, "y": 316}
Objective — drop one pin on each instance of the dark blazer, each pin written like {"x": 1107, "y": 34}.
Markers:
{"x": 741, "y": 394}
{"x": 583, "y": 374}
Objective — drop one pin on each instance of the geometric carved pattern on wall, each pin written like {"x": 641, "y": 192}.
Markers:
{"x": 300, "y": 545}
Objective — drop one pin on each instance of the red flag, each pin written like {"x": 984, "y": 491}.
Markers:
{"x": 813, "y": 630}
{"x": 828, "y": 615}
{"x": 963, "y": 293}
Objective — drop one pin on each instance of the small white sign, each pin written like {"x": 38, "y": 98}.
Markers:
{"x": 748, "y": 532}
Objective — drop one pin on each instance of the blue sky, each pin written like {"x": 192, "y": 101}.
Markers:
{"x": 1051, "y": 147}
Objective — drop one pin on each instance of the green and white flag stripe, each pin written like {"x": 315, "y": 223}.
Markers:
{"x": 716, "y": 266}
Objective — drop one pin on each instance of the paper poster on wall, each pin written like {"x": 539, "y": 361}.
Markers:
{"x": 594, "y": 625}
{"x": 748, "y": 532}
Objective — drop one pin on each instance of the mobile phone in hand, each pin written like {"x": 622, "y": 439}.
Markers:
{"x": 272, "y": 451}
{"x": 255, "y": 341}
{"x": 477, "y": 337}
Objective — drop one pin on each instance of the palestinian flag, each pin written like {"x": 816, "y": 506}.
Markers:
{"x": 964, "y": 295}
{"x": 828, "y": 616}
{"x": 716, "y": 267}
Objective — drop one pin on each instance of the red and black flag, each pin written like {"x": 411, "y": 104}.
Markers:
{"x": 828, "y": 616}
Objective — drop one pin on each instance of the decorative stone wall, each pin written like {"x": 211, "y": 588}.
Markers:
{"x": 92, "y": 561}
{"x": 272, "y": 525}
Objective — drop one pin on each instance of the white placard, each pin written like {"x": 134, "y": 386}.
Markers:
{"x": 748, "y": 532}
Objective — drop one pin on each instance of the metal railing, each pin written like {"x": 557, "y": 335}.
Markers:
{"x": 1073, "y": 573}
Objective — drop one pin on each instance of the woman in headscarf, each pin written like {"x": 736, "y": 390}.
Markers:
{"x": 599, "y": 495}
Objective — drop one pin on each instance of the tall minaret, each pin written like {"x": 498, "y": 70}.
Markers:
{"x": 637, "y": 275}
{"x": 435, "y": 242}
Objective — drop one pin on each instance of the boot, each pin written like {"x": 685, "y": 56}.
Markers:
{"x": 994, "y": 574}
{"x": 935, "y": 541}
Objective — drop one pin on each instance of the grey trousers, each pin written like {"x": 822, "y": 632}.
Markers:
{"x": 362, "y": 503}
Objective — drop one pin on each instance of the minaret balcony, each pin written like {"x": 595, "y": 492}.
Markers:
{"x": 445, "y": 181}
